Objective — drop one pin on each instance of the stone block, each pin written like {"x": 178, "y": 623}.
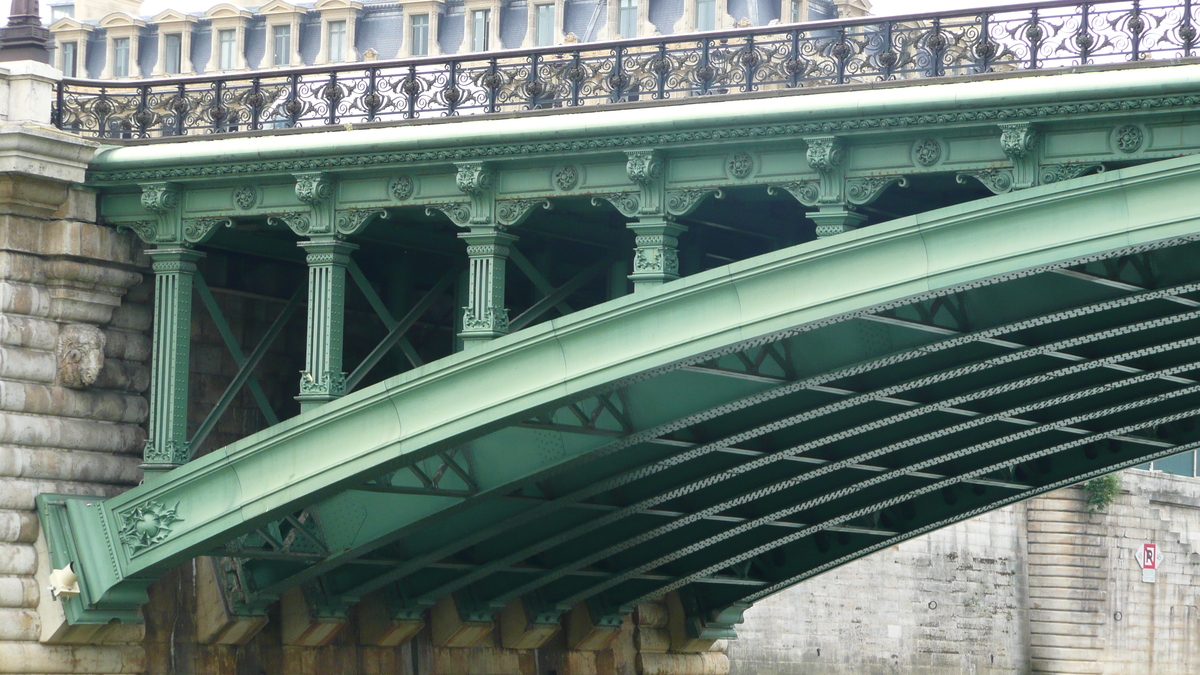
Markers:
{"x": 584, "y": 635}
{"x": 449, "y": 630}
{"x": 708, "y": 663}
{"x": 377, "y": 626}
{"x": 518, "y": 632}
{"x": 215, "y": 624}
{"x": 300, "y": 627}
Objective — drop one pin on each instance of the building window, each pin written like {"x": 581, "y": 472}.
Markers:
{"x": 337, "y": 41}
{"x": 706, "y": 14}
{"x": 794, "y": 12}
{"x": 227, "y": 46}
{"x": 173, "y": 43}
{"x": 62, "y": 12}
{"x": 420, "y": 35}
{"x": 281, "y": 45}
{"x": 627, "y": 19}
{"x": 543, "y": 30}
{"x": 481, "y": 23}
{"x": 120, "y": 57}
{"x": 69, "y": 58}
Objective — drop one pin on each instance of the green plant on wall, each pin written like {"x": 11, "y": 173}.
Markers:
{"x": 1101, "y": 492}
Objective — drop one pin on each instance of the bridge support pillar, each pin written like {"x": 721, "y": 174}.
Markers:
{"x": 485, "y": 317}
{"x": 323, "y": 379}
{"x": 167, "y": 445}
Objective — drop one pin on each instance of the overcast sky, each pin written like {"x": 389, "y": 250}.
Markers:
{"x": 151, "y": 7}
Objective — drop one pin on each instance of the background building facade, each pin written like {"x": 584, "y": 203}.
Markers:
{"x": 110, "y": 40}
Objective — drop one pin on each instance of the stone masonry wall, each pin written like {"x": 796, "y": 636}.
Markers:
{"x": 1040, "y": 587}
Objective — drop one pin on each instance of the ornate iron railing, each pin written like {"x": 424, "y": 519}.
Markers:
{"x": 1032, "y": 36}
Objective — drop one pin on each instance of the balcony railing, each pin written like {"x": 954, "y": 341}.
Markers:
{"x": 1036, "y": 36}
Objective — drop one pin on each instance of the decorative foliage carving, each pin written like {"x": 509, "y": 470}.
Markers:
{"x": 160, "y": 198}
{"x": 825, "y": 153}
{"x": 80, "y": 352}
{"x": 512, "y": 212}
{"x": 245, "y": 197}
{"x": 566, "y": 178}
{"x": 1018, "y": 139}
{"x": 459, "y": 212}
{"x": 683, "y": 202}
{"x": 1053, "y": 173}
{"x": 655, "y": 259}
{"x": 807, "y": 192}
{"x": 402, "y": 187}
{"x": 199, "y": 230}
{"x": 740, "y": 164}
{"x": 626, "y": 202}
{"x": 998, "y": 181}
{"x": 491, "y": 319}
{"x": 313, "y": 188}
{"x": 1129, "y": 138}
{"x": 350, "y": 221}
{"x": 330, "y": 383}
{"x": 474, "y": 178}
{"x": 144, "y": 229}
{"x": 863, "y": 191}
{"x": 147, "y": 525}
{"x": 295, "y": 221}
{"x": 644, "y": 166}
{"x": 927, "y": 151}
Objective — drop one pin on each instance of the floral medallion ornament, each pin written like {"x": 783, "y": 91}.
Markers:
{"x": 740, "y": 164}
{"x": 566, "y": 177}
{"x": 147, "y": 525}
{"x": 401, "y": 188}
{"x": 1129, "y": 138}
{"x": 927, "y": 152}
{"x": 245, "y": 197}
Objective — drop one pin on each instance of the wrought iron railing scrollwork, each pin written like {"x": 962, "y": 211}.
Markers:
{"x": 1011, "y": 38}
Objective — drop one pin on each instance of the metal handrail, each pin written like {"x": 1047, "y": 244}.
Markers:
{"x": 1029, "y": 36}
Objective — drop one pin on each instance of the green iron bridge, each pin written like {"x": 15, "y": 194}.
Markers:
{"x": 858, "y": 308}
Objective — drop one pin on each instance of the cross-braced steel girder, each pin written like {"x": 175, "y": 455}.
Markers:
{"x": 726, "y": 469}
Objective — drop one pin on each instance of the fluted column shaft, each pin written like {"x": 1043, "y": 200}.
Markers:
{"x": 323, "y": 379}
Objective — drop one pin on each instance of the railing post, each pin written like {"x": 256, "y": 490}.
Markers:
{"x": 56, "y": 115}
{"x": 167, "y": 445}
{"x": 323, "y": 379}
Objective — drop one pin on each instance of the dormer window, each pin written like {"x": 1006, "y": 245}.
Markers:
{"x": 61, "y": 12}
{"x": 226, "y": 49}
{"x": 70, "y": 59}
{"x": 120, "y": 66}
{"x": 627, "y": 16}
{"x": 337, "y": 41}
{"x": 481, "y": 26}
{"x": 706, "y": 14}
{"x": 420, "y": 35}
{"x": 543, "y": 32}
{"x": 173, "y": 58}
{"x": 281, "y": 45}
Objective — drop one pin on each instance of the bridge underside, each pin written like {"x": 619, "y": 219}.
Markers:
{"x": 725, "y": 436}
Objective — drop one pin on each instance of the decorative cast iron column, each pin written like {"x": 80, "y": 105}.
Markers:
{"x": 328, "y": 257}
{"x": 167, "y": 446}
{"x": 485, "y": 317}
{"x": 323, "y": 379}
{"x": 656, "y": 252}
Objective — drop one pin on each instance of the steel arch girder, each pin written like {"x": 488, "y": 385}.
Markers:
{"x": 419, "y": 413}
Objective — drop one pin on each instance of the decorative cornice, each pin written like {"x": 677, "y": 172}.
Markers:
{"x": 771, "y": 131}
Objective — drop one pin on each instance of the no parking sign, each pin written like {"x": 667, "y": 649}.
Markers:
{"x": 1149, "y": 558}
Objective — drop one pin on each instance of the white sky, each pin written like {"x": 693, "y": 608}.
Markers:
{"x": 881, "y": 7}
